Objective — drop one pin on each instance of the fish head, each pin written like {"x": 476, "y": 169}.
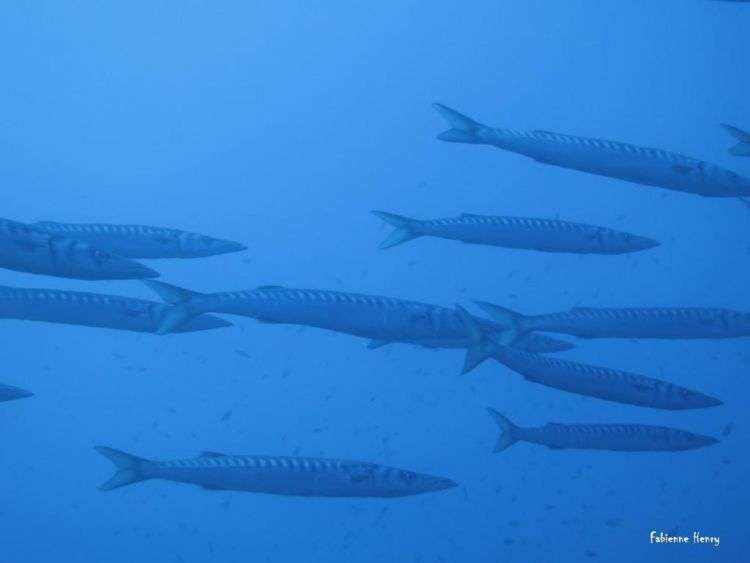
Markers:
{"x": 729, "y": 183}
{"x": 401, "y": 482}
{"x": 687, "y": 440}
{"x": 202, "y": 245}
{"x": 696, "y": 400}
{"x": 618, "y": 242}
{"x": 102, "y": 265}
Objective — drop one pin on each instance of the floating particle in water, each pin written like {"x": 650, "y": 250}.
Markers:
{"x": 227, "y": 415}
{"x": 243, "y": 354}
{"x": 727, "y": 430}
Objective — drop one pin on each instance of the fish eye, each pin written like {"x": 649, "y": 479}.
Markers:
{"x": 100, "y": 256}
{"x": 407, "y": 476}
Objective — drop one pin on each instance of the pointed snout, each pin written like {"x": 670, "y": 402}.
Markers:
{"x": 135, "y": 270}
{"x": 432, "y": 483}
{"x": 643, "y": 243}
{"x": 226, "y": 246}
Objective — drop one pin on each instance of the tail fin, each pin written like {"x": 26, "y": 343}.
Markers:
{"x": 129, "y": 468}
{"x": 463, "y": 129}
{"x": 743, "y": 147}
{"x": 508, "y": 319}
{"x": 508, "y": 431}
{"x": 479, "y": 349}
{"x": 180, "y": 298}
{"x": 405, "y": 229}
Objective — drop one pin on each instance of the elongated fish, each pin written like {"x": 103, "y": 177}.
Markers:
{"x": 583, "y": 379}
{"x": 10, "y": 393}
{"x": 546, "y": 235}
{"x": 742, "y": 148}
{"x": 295, "y": 476}
{"x": 140, "y": 241}
{"x": 615, "y": 437}
{"x": 27, "y": 249}
{"x": 92, "y": 309}
{"x": 641, "y": 165}
{"x": 382, "y": 319}
{"x": 645, "y": 322}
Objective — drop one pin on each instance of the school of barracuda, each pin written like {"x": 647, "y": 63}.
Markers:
{"x": 110, "y": 252}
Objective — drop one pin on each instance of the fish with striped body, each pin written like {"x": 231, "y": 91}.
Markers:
{"x": 640, "y": 165}
{"x": 583, "y": 379}
{"x": 92, "y": 309}
{"x": 546, "y": 235}
{"x": 293, "y": 476}
{"x": 644, "y": 322}
{"x": 24, "y": 248}
{"x": 383, "y": 320}
{"x": 142, "y": 241}
{"x": 10, "y": 393}
{"x": 613, "y": 437}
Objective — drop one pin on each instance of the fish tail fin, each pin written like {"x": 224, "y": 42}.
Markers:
{"x": 128, "y": 468}
{"x": 743, "y": 147}
{"x": 478, "y": 350}
{"x": 179, "y": 298}
{"x": 508, "y": 431}
{"x": 406, "y": 229}
{"x": 463, "y": 128}
{"x": 507, "y": 318}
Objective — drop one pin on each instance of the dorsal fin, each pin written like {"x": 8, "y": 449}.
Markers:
{"x": 470, "y": 215}
{"x": 269, "y": 287}
{"x": 212, "y": 454}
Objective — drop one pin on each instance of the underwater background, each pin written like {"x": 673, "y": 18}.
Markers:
{"x": 282, "y": 125}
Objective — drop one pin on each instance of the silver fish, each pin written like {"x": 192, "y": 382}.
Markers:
{"x": 644, "y": 322}
{"x": 614, "y": 437}
{"x": 383, "y": 320}
{"x": 583, "y": 379}
{"x": 10, "y": 393}
{"x": 27, "y": 249}
{"x": 641, "y": 165}
{"x": 92, "y": 309}
{"x": 742, "y": 148}
{"x": 295, "y": 476}
{"x": 141, "y": 241}
{"x": 546, "y": 235}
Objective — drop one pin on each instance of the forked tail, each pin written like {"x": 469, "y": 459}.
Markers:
{"x": 180, "y": 311}
{"x": 743, "y": 147}
{"x": 463, "y": 129}
{"x": 405, "y": 229}
{"x": 508, "y": 431}
{"x": 129, "y": 468}
{"x": 507, "y": 319}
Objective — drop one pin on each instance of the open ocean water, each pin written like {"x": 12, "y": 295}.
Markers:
{"x": 282, "y": 125}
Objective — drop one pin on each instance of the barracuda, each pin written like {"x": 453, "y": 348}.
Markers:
{"x": 295, "y": 476}
{"x": 640, "y": 165}
{"x": 615, "y": 437}
{"x": 383, "y": 320}
{"x": 92, "y": 309}
{"x": 644, "y": 322}
{"x": 546, "y": 235}
{"x": 27, "y": 249}
{"x": 141, "y": 241}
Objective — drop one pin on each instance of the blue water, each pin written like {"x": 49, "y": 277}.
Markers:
{"x": 281, "y": 125}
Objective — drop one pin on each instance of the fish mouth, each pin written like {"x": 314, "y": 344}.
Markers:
{"x": 226, "y": 246}
{"x": 138, "y": 271}
{"x": 440, "y": 484}
{"x": 644, "y": 243}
